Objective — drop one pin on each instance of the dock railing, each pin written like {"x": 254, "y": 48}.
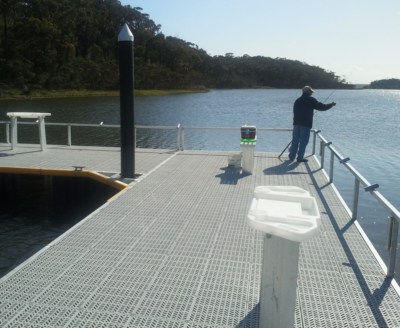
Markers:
{"x": 69, "y": 127}
{"x": 361, "y": 181}
{"x": 325, "y": 146}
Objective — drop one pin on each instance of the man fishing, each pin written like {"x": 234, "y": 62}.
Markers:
{"x": 303, "y": 112}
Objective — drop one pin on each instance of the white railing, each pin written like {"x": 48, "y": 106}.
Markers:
{"x": 360, "y": 180}
{"x": 69, "y": 127}
{"x": 325, "y": 145}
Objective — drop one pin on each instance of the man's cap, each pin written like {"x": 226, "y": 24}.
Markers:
{"x": 308, "y": 89}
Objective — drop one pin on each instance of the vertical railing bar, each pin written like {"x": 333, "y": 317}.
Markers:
{"x": 389, "y": 235}
{"x": 182, "y": 138}
{"x": 394, "y": 231}
{"x": 69, "y": 135}
{"x": 315, "y": 141}
{"x": 178, "y": 137}
{"x": 331, "y": 166}
{"x": 8, "y": 133}
{"x": 356, "y": 193}
{"x": 325, "y": 144}
{"x": 322, "y": 145}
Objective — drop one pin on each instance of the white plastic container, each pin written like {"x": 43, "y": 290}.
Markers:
{"x": 235, "y": 160}
{"x": 284, "y": 211}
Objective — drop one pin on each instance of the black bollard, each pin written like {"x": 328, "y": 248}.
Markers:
{"x": 125, "y": 44}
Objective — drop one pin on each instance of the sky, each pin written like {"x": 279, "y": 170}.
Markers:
{"x": 358, "y": 40}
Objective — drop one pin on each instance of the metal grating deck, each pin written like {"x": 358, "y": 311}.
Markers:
{"x": 175, "y": 250}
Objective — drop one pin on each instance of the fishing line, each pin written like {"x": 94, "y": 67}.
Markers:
{"x": 325, "y": 100}
{"x": 333, "y": 91}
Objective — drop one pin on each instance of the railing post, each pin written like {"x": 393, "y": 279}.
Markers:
{"x": 8, "y": 133}
{"x": 313, "y": 144}
{"x": 315, "y": 141}
{"x": 323, "y": 145}
{"x": 69, "y": 135}
{"x": 178, "y": 138}
{"x": 181, "y": 132}
{"x": 42, "y": 133}
{"x": 14, "y": 133}
{"x": 392, "y": 245}
{"x": 331, "y": 167}
{"x": 322, "y": 153}
{"x": 356, "y": 193}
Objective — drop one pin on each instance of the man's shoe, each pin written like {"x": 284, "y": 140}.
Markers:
{"x": 302, "y": 160}
{"x": 291, "y": 158}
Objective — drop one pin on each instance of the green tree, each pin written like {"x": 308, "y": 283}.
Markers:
{"x": 385, "y": 84}
{"x": 73, "y": 44}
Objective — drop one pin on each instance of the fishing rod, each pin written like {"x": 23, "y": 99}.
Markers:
{"x": 284, "y": 149}
{"x": 326, "y": 99}
{"x": 330, "y": 95}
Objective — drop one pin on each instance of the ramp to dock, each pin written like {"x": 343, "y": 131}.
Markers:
{"x": 174, "y": 250}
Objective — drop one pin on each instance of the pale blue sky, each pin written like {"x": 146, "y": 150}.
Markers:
{"x": 359, "y": 40}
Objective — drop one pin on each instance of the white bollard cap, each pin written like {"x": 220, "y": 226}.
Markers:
{"x": 125, "y": 34}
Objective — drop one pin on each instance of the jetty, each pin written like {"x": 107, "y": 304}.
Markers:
{"x": 173, "y": 248}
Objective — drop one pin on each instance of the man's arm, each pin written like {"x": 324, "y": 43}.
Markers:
{"x": 320, "y": 106}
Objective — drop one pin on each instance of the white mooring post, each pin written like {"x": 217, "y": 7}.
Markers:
{"x": 286, "y": 215}
{"x": 278, "y": 282}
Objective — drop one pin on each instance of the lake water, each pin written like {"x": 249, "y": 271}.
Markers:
{"x": 363, "y": 126}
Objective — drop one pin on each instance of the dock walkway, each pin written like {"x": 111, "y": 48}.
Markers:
{"x": 174, "y": 250}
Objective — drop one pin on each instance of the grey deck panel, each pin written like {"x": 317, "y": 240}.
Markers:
{"x": 175, "y": 250}
{"x": 100, "y": 159}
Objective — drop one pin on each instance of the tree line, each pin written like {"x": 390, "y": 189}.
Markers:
{"x": 385, "y": 84}
{"x": 72, "y": 44}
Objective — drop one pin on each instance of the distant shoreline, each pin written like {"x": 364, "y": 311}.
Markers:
{"x": 16, "y": 94}
{"x": 13, "y": 94}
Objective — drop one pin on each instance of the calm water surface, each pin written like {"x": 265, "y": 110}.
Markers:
{"x": 363, "y": 126}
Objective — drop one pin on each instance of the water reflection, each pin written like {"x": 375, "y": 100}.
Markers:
{"x": 38, "y": 209}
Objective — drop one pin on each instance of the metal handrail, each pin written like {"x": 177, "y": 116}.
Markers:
{"x": 359, "y": 179}
{"x": 182, "y": 131}
{"x": 101, "y": 125}
{"x": 368, "y": 187}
